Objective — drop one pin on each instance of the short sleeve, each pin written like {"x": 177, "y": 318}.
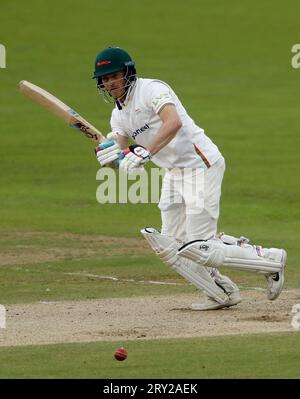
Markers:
{"x": 159, "y": 94}
{"x": 115, "y": 123}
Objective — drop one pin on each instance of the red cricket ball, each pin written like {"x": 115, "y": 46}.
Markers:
{"x": 120, "y": 354}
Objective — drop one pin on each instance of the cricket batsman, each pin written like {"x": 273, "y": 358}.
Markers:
{"x": 149, "y": 112}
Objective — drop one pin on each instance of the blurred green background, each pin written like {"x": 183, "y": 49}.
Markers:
{"x": 230, "y": 64}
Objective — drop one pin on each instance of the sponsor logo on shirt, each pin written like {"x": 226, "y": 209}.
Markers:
{"x": 140, "y": 130}
{"x": 156, "y": 100}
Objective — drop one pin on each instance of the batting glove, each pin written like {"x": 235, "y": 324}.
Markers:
{"x": 135, "y": 156}
{"x": 107, "y": 152}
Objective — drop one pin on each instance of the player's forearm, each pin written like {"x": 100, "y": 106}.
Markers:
{"x": 165, "y": 134}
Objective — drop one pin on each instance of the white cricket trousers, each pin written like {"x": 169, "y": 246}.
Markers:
{"x": 190, "y": 202}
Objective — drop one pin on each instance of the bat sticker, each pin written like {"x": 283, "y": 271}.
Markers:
{"x": 84, "y": 129}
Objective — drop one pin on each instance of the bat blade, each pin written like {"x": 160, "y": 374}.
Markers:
{"x": 60, "y": 109}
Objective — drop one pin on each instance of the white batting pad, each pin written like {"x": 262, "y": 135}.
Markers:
{"x": 166, "y": 248}
{"x": 214, "y": 253}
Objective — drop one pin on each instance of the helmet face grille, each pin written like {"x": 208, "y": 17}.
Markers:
{"x": 129, "y": 79}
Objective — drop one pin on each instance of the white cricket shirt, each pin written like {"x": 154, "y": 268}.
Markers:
{"x": 139, "y": 119}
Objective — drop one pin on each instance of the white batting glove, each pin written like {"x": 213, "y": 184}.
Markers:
{"x": 135, "y": 156}
{"x": 107, "y": 152}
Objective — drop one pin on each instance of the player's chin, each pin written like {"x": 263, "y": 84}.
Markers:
{"x": 117, "y": 94}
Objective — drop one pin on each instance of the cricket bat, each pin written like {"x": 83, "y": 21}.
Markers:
{"x": 63, "y": 111}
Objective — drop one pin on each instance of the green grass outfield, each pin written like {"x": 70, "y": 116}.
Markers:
{"x": 230, "y": 63}
{"x": 249, "y": 356}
